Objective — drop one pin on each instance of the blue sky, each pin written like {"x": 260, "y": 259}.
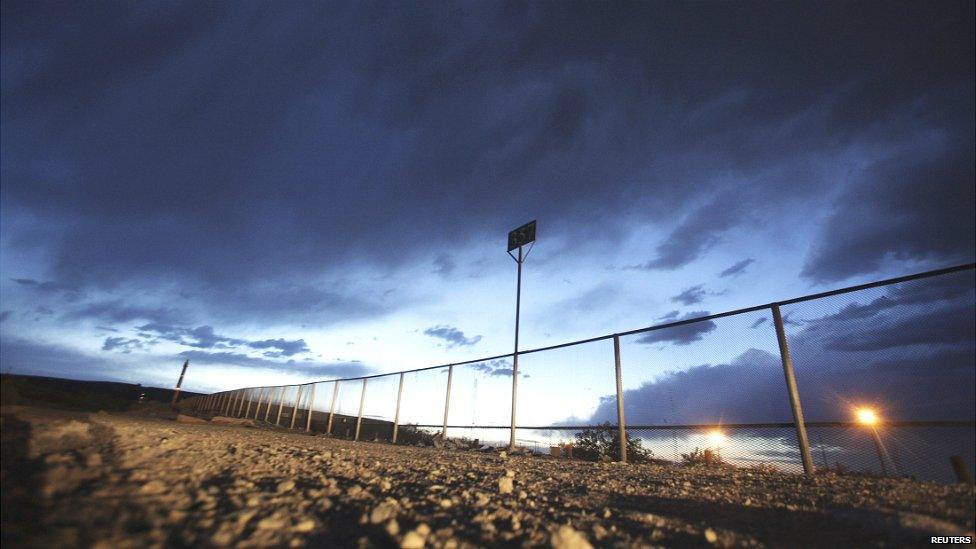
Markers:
{"x": 287, "y": 192}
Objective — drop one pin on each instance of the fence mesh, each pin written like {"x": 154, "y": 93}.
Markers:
{"x": 707, "y": 390}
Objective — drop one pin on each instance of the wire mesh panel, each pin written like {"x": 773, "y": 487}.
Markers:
{"x": 481, "y": 394}
{"x": 347, "y": 408}
{"x": 904, "y": 352}
{"x": 567, "y": 386}
{"x": 301, "y": 406}
{"x": 379, "y": 408}
{"x": 422, "y": 404}
{"x": 321, "y": 405}
{"x": 288, "y": 405}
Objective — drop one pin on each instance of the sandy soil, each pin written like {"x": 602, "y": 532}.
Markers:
{"x": 128, "y": 480}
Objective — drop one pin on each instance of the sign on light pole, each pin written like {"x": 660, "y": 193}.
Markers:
{"x": 517, "y": 239}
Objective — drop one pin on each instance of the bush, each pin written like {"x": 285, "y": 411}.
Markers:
{"x": 592, "y": 444}
{"x": 706, "y": 457}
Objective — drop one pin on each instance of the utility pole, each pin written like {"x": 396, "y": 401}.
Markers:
{"x": 176, "y": 393}
{"x": 517, "y": 239}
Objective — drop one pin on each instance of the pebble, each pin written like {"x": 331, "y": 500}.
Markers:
{"x": 305, "y": 526}
{"x": 711, "y": 536}
{"x": 286, "y": 486}
{"x": 271, "y": 523}
{"x": 506, "y": 485}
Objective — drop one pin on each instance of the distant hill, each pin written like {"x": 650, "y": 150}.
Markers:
{"x": 71, "y": 394}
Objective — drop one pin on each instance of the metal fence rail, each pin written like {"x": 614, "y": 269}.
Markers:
{"x": 779, "y": 384}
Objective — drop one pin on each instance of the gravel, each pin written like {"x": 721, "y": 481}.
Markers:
{"x": 127, "y": 480}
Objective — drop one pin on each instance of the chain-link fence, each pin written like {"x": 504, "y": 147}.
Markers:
{"x": 881, "y": 377}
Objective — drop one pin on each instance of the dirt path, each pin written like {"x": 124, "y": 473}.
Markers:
{"x": 121, "y": 480}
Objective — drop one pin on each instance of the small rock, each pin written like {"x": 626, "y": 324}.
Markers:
{"x": 568, "y": 538}
{"x": 153, "y": 487}
{"x": 446, "y": 503}
{"x": 286, "y": 486}
{"x": 710, "y": 535}
{"x": 392, "y": 527}
{"x": 506, "y": 485}
{"x": 510, "y": 473}
{"x": 271, "y": 523}
{"x": 383, "y": 512}
{"x": 412, "y": 540}
{"x": 305, "y": 526}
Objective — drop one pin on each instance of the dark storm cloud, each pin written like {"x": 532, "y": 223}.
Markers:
{"x": 916, "y": 206}
{"x": 221, "y": 146}
{"x": 41, "y": 286}
{"x": 690, "y": 296}
{"x": 326, "y": 370}
{"x": 737, "y": 268}
{"x": 117, "y": 310}
{"x": 452, "y": 336}
{"x": 680, "y": 335}
{"x": 698, "y": 232}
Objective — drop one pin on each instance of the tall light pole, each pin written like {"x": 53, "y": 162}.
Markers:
{"x": 517, "y": 239}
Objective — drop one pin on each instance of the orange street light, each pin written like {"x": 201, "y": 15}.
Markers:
{"x": 868, "y": 418}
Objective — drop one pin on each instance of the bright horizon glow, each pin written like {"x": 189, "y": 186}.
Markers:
{"x": 716, "y": 437}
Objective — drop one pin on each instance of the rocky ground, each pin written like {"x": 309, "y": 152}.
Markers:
{"x": 132, "y": 480}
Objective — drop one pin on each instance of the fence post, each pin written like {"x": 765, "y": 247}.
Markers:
{"x": 801, "y": 427}
{"x": 267, "y": 410}
{"x": 396, "y": 416}
{"x": 281, "y": 404}
{"x": 621, "y": 422}
{"x": 250, "y": 400}
{"x": 447, "y": 399}
{"x": 294, "y": 409}
{"x": 240, "y": 407}
{"x": 311, "y": 403}
{"x": 257, "y": 409}
{"x": 362, "y": 400}
{"x": 224, "y": 403}
{"x": 335, "y": 393}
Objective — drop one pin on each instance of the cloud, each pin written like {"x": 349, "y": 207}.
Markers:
{"x": 327, "y": 370}
{"x": 690, "y": 296}
{"x": 5, "y": 315}
{"x": 445, "y": 265}
{"x": 451, "y": 335}
{"x": 680, "y": 335}
{"x": 122, "y": 344}
{"x": 499, "y": 367}
{"x": 203, "y": 337}
{"x": 737, "y": 268}
{"x": 285, "y": 347}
